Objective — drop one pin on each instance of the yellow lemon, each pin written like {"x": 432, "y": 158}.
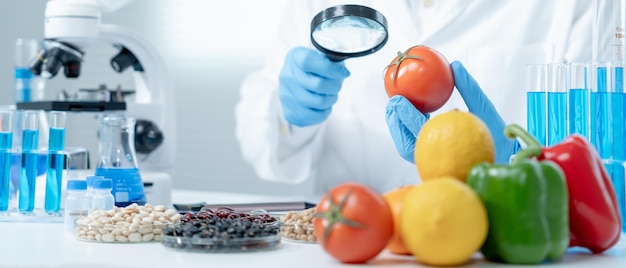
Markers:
{"x": 443, "y": 222}
{"x": 450, "y": 144}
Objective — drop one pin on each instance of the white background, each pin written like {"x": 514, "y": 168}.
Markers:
{"x": 208, "y": 46}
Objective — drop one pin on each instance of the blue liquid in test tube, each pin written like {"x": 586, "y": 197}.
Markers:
{"x": 6, "y": 140}
{"x": 536, "y": 101}
{"x": 56, "y": 162}
{"x": 600, "y": 110}
{"x": 617, "y": 114}
{"x": 578, "y": 101}
{"x": 557, "y": 103}
{"x": 28, "y": 171}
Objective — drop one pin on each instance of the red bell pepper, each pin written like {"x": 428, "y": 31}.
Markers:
{"x": 594, "y": 218}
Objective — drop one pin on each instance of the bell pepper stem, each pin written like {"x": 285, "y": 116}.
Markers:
{"x": 513, "y": 131}
{"x": 526, "y": 153}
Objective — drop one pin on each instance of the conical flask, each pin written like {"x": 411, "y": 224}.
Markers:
{"x": 117, "y": 159}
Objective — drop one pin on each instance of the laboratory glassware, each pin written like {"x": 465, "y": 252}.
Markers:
{"x": 27, "y": 86}
{"x": 6, "y": 141}
{"x": 28, "y": 170}
{"x": 557, "y": 103}
{"x": 600, "y": 108}
{"x": 76, "y": 203}
{"x": 608, "y": 30}
{"x": 117, "y": 160}
{"x": 578, "y": 99}
{"x": 90, "y": 191}
{"x": 536, "y": 101}
{"x": 56, "y": 161}
{"x": 346, "y": 31}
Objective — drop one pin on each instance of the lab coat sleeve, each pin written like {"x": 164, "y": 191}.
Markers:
{"x": 277, "y": 150}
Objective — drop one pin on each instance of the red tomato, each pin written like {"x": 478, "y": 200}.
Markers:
{"x": 423, "y": 76}
{"x": 353, "y": 223}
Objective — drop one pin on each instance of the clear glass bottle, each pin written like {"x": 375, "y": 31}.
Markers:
{"x": 117, "y": 160}
{"x": 102, "y": 198}
{"x": 76, "y": 203}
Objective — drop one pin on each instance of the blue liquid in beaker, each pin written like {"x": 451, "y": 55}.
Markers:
{"x": 536, "y": 115}
{"x": 127, "y": 185}
{"x": 579, "y": 112}
{"x": 557, "y": 115}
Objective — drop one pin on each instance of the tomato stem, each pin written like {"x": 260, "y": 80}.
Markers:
{"x": 399, "y": 59}
{"x": 333, "y": 215}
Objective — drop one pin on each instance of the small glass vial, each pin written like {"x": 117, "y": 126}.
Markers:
{"x": 102, "y": 198}
{"x": 90, "y": 191}
{"x": 76, "y": 203}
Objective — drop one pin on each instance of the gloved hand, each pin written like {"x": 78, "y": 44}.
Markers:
{"x": 479, "y": 105}
{"x": 405, "y": 122}
{"x": 309, "y": 84}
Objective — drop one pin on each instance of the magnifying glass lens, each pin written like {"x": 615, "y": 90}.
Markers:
{"x": 349, "y": 34}
{"x": 346, "y": 31}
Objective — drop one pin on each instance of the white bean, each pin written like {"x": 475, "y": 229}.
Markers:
{"x": 134, "y": 237}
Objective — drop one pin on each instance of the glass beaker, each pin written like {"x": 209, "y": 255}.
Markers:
{"x": 117, "y": 159}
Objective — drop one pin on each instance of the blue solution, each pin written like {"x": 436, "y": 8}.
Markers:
{"x": 54, "y": 170}
{"x": 536, "y": 115}
{"x": 6, "y": 138}
{"x": 600, "y": 124}
{"x": 557, "y": 117}
{"x": 56, "y": 140}
{"x": 579, "y": 112}
{"x": 54, "y": 179}
{"x": 127, "y": 185}
{"x": 617, "y": 126}
{"x": 28, "y": 171}
{"x": 617, "y": 173}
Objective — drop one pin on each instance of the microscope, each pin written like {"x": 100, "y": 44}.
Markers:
{"x": 70, "y": 27}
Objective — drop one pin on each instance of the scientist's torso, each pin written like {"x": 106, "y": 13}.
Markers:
{"x": 495, "y": 40}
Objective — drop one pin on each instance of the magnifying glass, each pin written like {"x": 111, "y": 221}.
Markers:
{"x": 346, "y": 31}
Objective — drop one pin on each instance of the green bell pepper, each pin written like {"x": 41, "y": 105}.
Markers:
{"x": 527, "y": 207}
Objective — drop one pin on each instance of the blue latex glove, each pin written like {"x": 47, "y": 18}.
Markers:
{"x": 478, "y": 104}
{"x": 405, "y": 122}
{"x": 309, "y": 84}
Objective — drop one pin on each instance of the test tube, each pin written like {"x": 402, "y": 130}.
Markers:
{"x": 6, "y": 140}
{"x": 600, "y": 108}
{"x": 536, "y": 101}
{"x": 608, "y": 30}
{"x": 578, "y": 99}
{"x": 557, "y": 103}
{"x": 56, "y": 162}
{"x": 617, "y": 112}
{"x": 28, "y": 171}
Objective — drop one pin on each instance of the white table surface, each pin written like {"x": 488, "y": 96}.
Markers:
{"x": 31, "y": 244}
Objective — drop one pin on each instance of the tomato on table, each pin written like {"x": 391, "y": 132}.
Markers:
{"x": 353, "y": 223}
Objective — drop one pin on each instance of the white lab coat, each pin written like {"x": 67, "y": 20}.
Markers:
{"x": 495, "y": 40}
